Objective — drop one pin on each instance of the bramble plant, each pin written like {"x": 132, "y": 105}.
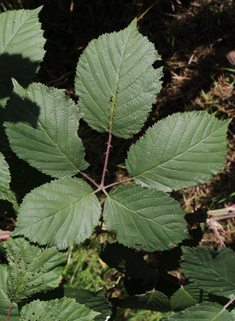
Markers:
{"x": 116, "y": 85}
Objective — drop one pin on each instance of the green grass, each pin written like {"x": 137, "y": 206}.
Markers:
{"x": 85, "y": 270}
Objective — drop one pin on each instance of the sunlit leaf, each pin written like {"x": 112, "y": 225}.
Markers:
{"x": 179, "y": 151}
{"x": 54, "y": 310}
{"x": 5, "y": 178}
{"x": 116, "y": 83}
{"x": 32, "y": 269}
{"x": 59, "y": 213}
{"x": 42, "y": 126}
{"x": 21, "y": 48}
{"x": 144, "y": 217}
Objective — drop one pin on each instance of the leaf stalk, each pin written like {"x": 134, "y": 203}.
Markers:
{"x": 106, "y": 160}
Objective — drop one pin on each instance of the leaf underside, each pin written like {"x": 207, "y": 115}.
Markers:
{"x": 59, "y": 213}
{"x": 42, "y": 128}
{"x": 216, "y": 275}
{"x": 144, "y": 217}
{"x": 116, "y": 83}
{"x": 31, "y": 269}
{"x": 183, "y": 150}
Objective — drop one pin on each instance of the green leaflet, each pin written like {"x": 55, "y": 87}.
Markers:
{"x": 144, "y": 217}
{"x": 4, "y": 300}
{"x": 31, "y": 269}
{"x": 203, "y": 312}
{"x": 153, "y": 301}
{"x": 59, "y": 213}
{"x": 54, "y": 310}
{"x": 21, "y": 51}
{"x": 180, "y": 151}
{"x": 93, "y": 300}
{"x": 116, "y": 83}
{"x": 21, "y": 48}
{"x": 42, "y": 128}
{"x": 5, "y": 178}
{"x": 187, "y": 296}
{"x": 216, "y": 269}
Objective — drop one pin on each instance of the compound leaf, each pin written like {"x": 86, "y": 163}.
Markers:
{"x": 187, "y": 296}
{"x": 154, "y": 301}
{"x": 144, "y": 217}
{"x": 64, "y": 309}
{"x": 116, "y": 83}
{"x": 42, "y": 128}
{"x": 21, "y": 48}
{"x": 93, "y": 300}
{"x": 203, "y": 312}
{"x": 209, "y": 270}
{"x": 60, "y": 213}
{"x": 5, "y": 178}
{"x": 4, "y": 300}
{"x": 184, "y": 149}
{"x": 125, "y": 260}
{"x": 32, "y": 269}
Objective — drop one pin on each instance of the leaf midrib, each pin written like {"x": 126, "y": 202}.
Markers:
{"x": 137, "y": 213}
{"x": 116, "y": 89}
{"x": 171, "y": 159}
{"x": 16, "y": 33}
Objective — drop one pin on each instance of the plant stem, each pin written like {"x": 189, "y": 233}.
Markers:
{"x": 119, "y": 182}
{"x": 9, "y": 311}
{"x": 230, "y": 302}
{"x": 212, "y": 225}
{"x": 90, "y": 179}
{"x": 106, "y": 160}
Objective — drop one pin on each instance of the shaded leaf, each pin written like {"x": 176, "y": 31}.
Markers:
{"x": 59, "y": 213}
{"x": 204, "y": 312}
{"x": 5, "y": 178}
{"x": 125, "y": 260}
{"x": 185, "y": 149}
{"x": 24, "y": 177}
{"x": 54, "y": 310}
{"x": 42, "y": 128}
{"x": 31, "y": 269}
{"x": 116, "y": 83}
{"x": 135, "y": 286}
{"x": 154, "y": 301}
{"x": 21, "y": 48}
{"x": 4, "y": 300}
{"x": 144, "y": 217}
{"x": 209, "y": 270}
{"x": 93, "y": 300}
{"x": 188, "y": 296}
